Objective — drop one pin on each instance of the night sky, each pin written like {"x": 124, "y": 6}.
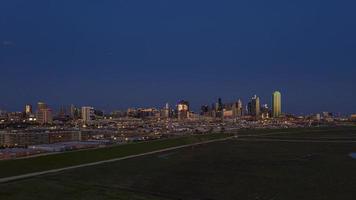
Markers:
{"x": 115, "y": 54}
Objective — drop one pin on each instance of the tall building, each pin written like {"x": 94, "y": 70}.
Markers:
{"x": 166, "y": 111}
{"x": 219, "y": 109}
{"x": 204, "y": 110}
{"x": 249, "y": 108}
{"x": 28, "y": 109}
{"x": 220, "y": 105}
{"x": 276, "y": 104}
{"x": 44, "y": 114}
{"x": 87, "y": 114}
{"x": 63, "y": 112}
{"x": 41, "y": 105}
{"x": 183, "y": 109}
{"x": 72, "y": 110}
{"x": 237, "y": 110}
{"x": 265, "y": 111}
{"x": 255, "y": 106}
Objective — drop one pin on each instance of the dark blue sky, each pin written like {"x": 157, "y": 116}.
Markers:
{"x": 115, "y": 54}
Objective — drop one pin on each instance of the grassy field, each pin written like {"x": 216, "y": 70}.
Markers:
{"x": 232, "y": 169}
{"x": 55, "y": 161}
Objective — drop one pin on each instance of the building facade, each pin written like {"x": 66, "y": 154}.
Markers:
{"x": 255, "y": 107}
{"x": 276, "y": 104}
{"x": 44, "y": 114}
{"x": 183, "y": 110}
{"x": 87, "y": 114}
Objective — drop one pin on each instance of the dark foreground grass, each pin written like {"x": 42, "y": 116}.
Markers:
{"x": 36, "y": 164}
{"x": 224, "y": 170}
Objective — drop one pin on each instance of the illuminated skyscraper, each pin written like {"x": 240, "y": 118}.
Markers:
{"x": 219, "y": 109}
{"x": 87, "y": 114}
{"x": 255, "y": 106}
{"x": 237, "y": 109}
{"x": 28, "y": 109}
{"x": 276, "y": 104}
{"x": 44, "y": 114}
{"x": 265, "y": 111}
{"x": 183, "y": 110}
{"x": 41, "y": 105}
{"x": 166, "y": 111}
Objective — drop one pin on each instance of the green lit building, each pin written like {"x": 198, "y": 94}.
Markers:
{"x": 276, "y": 104}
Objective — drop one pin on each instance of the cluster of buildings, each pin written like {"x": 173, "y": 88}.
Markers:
{"x": 42, "y": 129}
{"x": 44, "y": 115}
{"x": 253, "y": 110}
{"x": 236, "y": 110}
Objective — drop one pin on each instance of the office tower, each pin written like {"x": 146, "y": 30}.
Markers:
{"x": 166, "y": 113}
{"x": 220, "y": 105}
{"x": 249, "y": 108}
{"x": 62, "y": 111}
{"x": 213, "y": 110}
{"x": 240, "y": 111}
{"x": 204, "y": 110}
{"x": 265, "y": 111}
{"x": 72, "y": 110}
{"x": 44, "y": 114}
{"x": 237, "y": 110}
{"x": 28, "y": 109}
{"x": 87, "y": 114}
{"x": 276, "y": 104}
{"x": 183, "y": 109}
{"x": 219, "y": 109}
{"x": 234, "y": 110}
{"x": 41, "y": 105}
{"x": 255, "y": 106}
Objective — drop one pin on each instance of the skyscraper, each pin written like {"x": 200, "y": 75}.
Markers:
{"x": 265, "y": 111}
{"x": 28, "y": 109}
{"x": 220, "y": 105}
{"x": 44, "y": 114}
{"x": 183, "y": 109}
{"x": 276, "y": 104}
{"x": 87, "y": 114}
{"x": 41, "y": 105}
{"x": 219, "y": 109}
{"x": 204, "y": 110}
{"x": 255, "y": 106}
{"x": 166, "y": 111}
{"x": 237, "y": 109}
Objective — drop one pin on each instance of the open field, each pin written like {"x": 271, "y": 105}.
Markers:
{"x": 332, "y": 133}
{"x": 36, "y": 164}
{"x": 233, "y": 169}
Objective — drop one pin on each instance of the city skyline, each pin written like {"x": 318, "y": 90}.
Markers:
{"x": 219, "y": 104}
{"x": 196, "y": 108}
{"x": 157, "y": 99}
